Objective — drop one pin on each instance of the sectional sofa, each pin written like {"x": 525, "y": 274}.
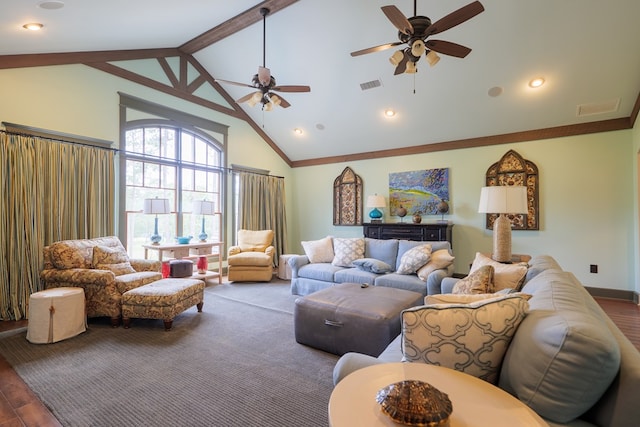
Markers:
{"x": 376, "y": 262}
{"x": 566, "y": 360}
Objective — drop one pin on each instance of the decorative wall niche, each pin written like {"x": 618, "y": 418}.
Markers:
{"x": 347, "y": 198}
{"x": 512, "y": 169}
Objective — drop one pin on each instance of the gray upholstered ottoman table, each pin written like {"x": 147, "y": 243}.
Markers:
{"x": 163, "y": 299}
{"x": 348, "y": 317}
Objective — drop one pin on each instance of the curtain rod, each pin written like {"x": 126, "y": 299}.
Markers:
{"x": 65, "y": 141}
{"x": 116, "y": 150}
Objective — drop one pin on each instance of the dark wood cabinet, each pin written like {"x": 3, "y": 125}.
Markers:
{"x": 409, "y": 231}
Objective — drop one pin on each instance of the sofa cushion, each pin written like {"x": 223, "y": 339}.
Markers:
{"x": 564, "y": 356}
{"x": 319, "y": 250}
{"x": 67, "y": 254}
{"x": 112, "y": 259}
{"x": 354, "y": 275}
{"x": 253, "y": 259}
{"x": 347, "y": 250}
{"x": 372, "y": 265}
{"x": 471, "y": 338}
{"x": 408, "y": 282}
{"x": 414, "y": 258}
{"x": 478, "y": 282}
{"x": 254, "y": 240}
{"x": 383, "y": 250}
{"x": 439, "y": 259}
{"x": 320, "y": 271}
{"x": 506, "y": 276}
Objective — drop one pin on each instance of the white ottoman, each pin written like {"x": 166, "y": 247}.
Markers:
{"x": 55, "y": 315}
{"x": 284, "y": 271}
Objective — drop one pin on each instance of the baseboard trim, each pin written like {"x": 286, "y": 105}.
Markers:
{"x": 614, "y": 294}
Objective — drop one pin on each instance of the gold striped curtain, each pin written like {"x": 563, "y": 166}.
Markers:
{"x": 53, "y": 190}
{"x": 262, "y": 207}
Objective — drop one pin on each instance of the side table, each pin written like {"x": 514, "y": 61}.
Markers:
{"x": 475, "y": 402}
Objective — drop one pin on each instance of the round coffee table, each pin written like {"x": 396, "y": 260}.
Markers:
{"x": 475, "y": 402}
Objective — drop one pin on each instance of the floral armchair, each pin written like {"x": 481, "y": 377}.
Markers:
{"x": 102, "y": 268}
{"x": 251, "y": 260}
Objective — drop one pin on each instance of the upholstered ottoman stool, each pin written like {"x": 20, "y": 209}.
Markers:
{"x": 163, "y": 299}
{"x": 349, "y": 317}
{"x": 56, "y": 314}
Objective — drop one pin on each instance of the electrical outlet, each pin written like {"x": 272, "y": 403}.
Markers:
{"x": 593, "y": 268}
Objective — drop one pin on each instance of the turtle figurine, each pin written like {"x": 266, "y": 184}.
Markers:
{"x": 415, "y": 403}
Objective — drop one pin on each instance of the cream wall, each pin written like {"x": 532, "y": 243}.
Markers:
{"x": 80, "y": 100}
{"x": 588, "y": 184}
{"x": 586, "y": 207}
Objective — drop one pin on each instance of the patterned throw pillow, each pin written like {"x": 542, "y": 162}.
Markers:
{"x": 319, "y": 250}
{"x": 478, "y": 282}
{"x": 439, "y": 259}
{"x": 471, "y": 338}
{"x": 112, "y": 259}
{"x": 414, "y": 258}
{"x": 505, "y": 276}
{"x": 372, "y": 265}
{"x": 347, "y": 250}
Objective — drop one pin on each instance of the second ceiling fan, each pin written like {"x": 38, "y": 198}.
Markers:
{"x": 414, "y": 32}
{"x": 265, "y": 82}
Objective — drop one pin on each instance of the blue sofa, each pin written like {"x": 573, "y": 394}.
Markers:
{"x": 567, "y": 360}
{"x": 307, "y": 277}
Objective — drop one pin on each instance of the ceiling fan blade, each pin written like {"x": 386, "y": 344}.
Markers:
{"x": 245, "y": 98}
{"x": 291, "y": 88}
{"x": 402, "y": 65}
{"x": 448, "y": 48}
{"x": 455, "y": 18}
{"x": 283, "y": 102}
{"x": 375, "y": 48}
{"x": 264, "y": 76}
{"x": 398, "y": 19}
{"x": 234, "y": 83}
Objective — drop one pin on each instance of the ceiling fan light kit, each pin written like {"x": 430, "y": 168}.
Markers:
{"x": 414, "y": 32}
{"x": 265, "y": 82}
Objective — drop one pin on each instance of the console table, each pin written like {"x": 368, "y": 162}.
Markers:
{"x": 190, "y": 251}
{"x": 437, "y": 231}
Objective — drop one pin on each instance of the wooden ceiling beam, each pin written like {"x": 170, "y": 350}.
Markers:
{"x": 233, "y": 25}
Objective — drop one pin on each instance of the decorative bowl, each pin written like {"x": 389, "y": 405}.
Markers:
{"x": 183, "y": 240}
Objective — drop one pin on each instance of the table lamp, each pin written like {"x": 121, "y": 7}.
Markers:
{"x": 502, "y": 200}
{"x": 203, "y": 207}
{"x": 376, "y": 202}
{"x": 156, "y": 206}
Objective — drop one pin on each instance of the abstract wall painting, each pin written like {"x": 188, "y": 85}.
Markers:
{"x": 418, "y": 191}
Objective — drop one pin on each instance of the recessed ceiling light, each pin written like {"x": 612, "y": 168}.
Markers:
{"x": 297, "y": 131}
{"x": 537, "y": 82}
{"x": 51, "y": 4}
{"x": 33, "y": 26}
{"x": 495, "y": 91}
{"x": 389, "y": 112}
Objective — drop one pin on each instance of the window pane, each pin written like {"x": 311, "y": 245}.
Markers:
{"x": 168, "y": 177}
{"x": 168, "y": 144}
{"x": 152, "y": 141}
{"x": 134, "y": 140}
{"x": 151, "y": 175}
{"x": 187, "y": 147}
{"x": 201, "y": 180}
{"x": 134, "y": 172}
{"x": 187, "y": 179}
{"x": 201, "y": 152}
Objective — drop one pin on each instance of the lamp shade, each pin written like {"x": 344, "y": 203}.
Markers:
{"x": 376, "y": 201}
{"x": 503, "y": 199}
{"x": 203, "y": 207}
{"x": 156, "y": 206}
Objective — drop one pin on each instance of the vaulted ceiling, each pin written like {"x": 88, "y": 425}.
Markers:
{"x": 586, "y": 50}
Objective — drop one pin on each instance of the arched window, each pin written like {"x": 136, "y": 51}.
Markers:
{"x": 175, "y": 162}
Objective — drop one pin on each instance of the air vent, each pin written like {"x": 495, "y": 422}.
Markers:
{"x": 370, "y": 85}
{"x": 598, "y": 108}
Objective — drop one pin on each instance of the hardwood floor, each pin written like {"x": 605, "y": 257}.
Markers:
{"x": 20, "y": 407}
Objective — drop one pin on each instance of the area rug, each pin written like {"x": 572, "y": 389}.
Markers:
{"x": 234, "y": 364}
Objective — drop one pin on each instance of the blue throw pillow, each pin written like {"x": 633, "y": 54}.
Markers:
{"x": 372, "y": 265}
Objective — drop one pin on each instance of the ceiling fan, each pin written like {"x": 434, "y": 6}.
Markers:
{"x": 265, "y": 82}
{"x": 414, "y": 32}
